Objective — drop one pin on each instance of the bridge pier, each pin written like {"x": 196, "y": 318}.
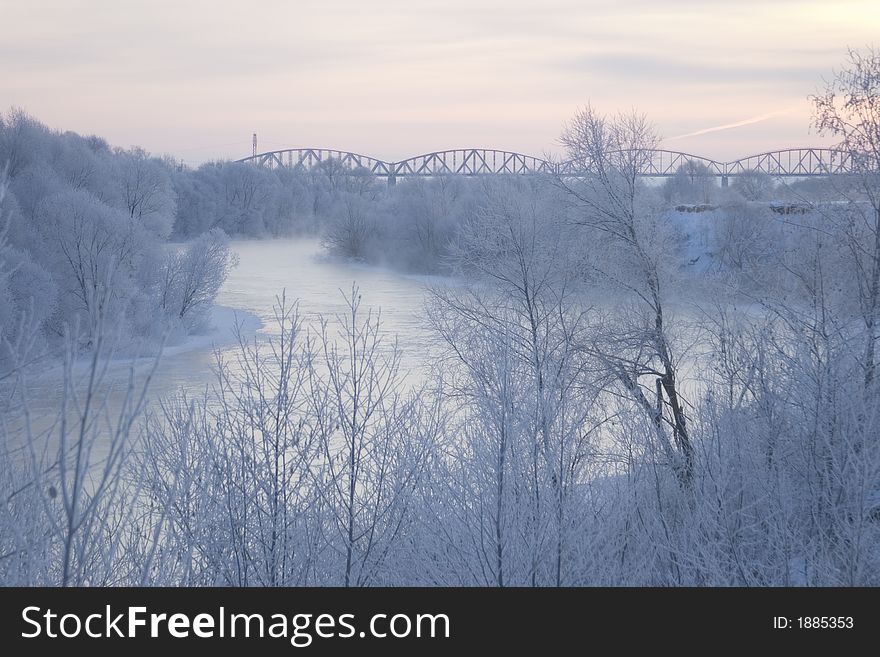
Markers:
{"x": 724, "y": 180}
{"x": 392, "y": 179}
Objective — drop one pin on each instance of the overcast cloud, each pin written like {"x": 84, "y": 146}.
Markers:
{"x": 396, "y": 78}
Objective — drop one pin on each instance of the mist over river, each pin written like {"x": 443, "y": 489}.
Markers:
{"x": 299, "y": 268}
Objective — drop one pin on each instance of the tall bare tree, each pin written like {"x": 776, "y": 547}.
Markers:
{"x": 849, "y": 109}
{"x": 633, "y": 253}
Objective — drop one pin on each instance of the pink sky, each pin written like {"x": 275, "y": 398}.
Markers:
{"x": 396, "y": 78}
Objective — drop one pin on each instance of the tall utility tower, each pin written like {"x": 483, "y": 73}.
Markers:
{"x": 255, "y": 144}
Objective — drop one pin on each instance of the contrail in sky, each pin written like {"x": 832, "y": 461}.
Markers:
{"x": 737, "y": 124}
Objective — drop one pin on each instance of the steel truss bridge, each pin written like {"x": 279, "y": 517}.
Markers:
{"x": 792, "y": 162}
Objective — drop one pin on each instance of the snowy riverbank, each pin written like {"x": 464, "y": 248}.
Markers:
{"x": 221, "y": 331}
{"x": 183, "y": 367}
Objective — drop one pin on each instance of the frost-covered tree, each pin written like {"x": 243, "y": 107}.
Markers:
{"x": 95, "y": 253}
{"x": 67, "y": 500}
{"x": 526, "y": 409}
{"x": 634, "y": 251}
{"x": 753, "y": 185}
{"x": 849, "y": 109}
{"x": 747, "y": 240}
{"x": 192, "y": 276}
{"x": 22, "y": 141}
{"x": 229, "y": 476}
{"x": 692, "y": 182}
{"x": 373, "y": 438}
{"x": 83, "y": 225}
{"x": 145, "y": 192}
{"x": 424, "y": 217}
{"x": 352, "y": 227}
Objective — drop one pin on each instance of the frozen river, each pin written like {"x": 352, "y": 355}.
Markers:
{"x": 298, "y": 267}
{"x": 265, "y": 270}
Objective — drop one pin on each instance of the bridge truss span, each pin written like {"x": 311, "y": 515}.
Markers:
{"x": 309, "y": 158}
{"x": 473, "y": 162}
{"x": 658, "y": 163}
{"x": 663, "y": 163}
{"x": 795, "y": 162}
